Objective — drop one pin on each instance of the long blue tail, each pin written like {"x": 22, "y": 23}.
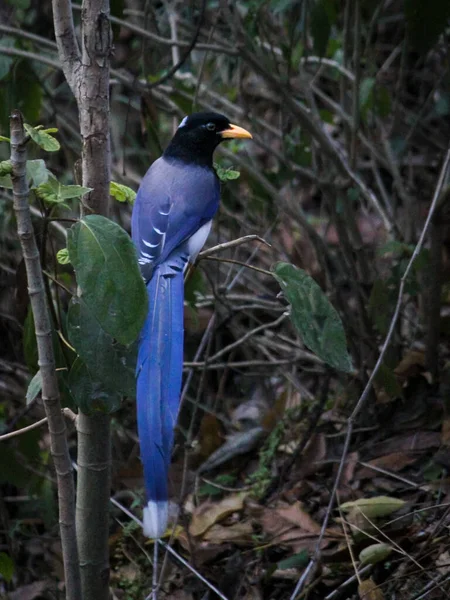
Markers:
{"x": 159, "y": 375}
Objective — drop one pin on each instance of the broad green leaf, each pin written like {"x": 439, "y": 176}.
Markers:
{"x": 34, "y": 387}
{"x": 90, "y": 396}
{"x": 321, "y": 19}
{"x": 296, "y": 561}
{"x": 49, "y": 191}
{"x": 122, "y": 193}
{"x": 4, "y": 139}
{"x": 374, "y": 554}
{"x": 54, "y": 192}
{"x": 6, "y": 182}
{"x": 62, "y": 256}
{"x": 378, "y": 506}
{"x": 37, "y": 172}
{"x": 314, "y": 317}
{"x": 110, "y": 362}
{"x": 43, "y": 139}
{"x": 104, "y": 259}
{"x": 6, "y": 567}
{"x": 5, "y": 168}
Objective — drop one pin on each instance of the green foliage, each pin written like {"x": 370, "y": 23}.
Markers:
{"x": 62, "y": 256}
{"x": 90, "y": 395}
{"x": 262, "y": 476}
{"x": 296, "y": 561}
{"x": 323, "y": 17}
{"x": 373, "y": 96}
{"x": 122, "y": 193}
{"x": 53, "y": 192}
{"x": 5, "y": 168}
{"x": 43, "y": 138}
{"x": 226, "y": 173}
{"x": 29, "y": 343}
{"x": 108, "y": 361}
{"x": 108, "y": 275}
{"x": 37, "y": 173}
{"x": 6, "y": 567}
{"x": 314, "y": 317}
{"x": 34, "y": 387}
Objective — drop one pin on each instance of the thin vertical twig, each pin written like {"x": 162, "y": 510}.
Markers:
{"x": 50, "y": 392}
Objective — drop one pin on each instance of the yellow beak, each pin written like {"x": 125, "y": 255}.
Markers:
{"x": 235, "y": 131}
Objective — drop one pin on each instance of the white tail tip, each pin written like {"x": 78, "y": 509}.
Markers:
{"x": 155, "y": 519}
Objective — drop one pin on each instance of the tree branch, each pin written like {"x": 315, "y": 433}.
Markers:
{"x": 50, "y": 392}
{"x": 69, "y": 53}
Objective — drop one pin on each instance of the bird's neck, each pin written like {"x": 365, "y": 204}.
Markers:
{"x": 189, "y": 153}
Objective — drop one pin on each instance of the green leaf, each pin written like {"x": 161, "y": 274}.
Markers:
{"x": 110, "y": 362}
{"x": 226, "y": 174}
{"x": 42, "y": 138}
{"x": 122, "y": 193}
{"x": 4, "y": 138}
{"x": 5, "y": 168}
{"x": 387, "y": 380}
{"x": 54, "y": 192}
{"x": 34, "y": 387}
{"x": 314, "y": 317}
{"x": 6, "y": 567}
{"x": 372, "y": 508}
{"x": 374, "y": 554}
{"x": 29, "y": 343}
{"x": 366, "y": 94}
{"x": 62, "y": 256}
{"x": 90, "y": 395}
{"x": 323, "y": 16}
{"x": 296, "y": 561}
{"x": 37, "y": 172}
{"x": 107, "y": 270}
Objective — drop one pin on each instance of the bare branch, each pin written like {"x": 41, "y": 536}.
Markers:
{"x": 66, "y": 41}
{"x": 50, "y": 392}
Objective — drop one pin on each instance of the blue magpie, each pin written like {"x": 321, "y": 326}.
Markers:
{"x": 171, "y": 220}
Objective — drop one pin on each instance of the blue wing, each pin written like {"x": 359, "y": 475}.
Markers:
{"x": 173, "y": 202}
{"x": 171, "y": 219}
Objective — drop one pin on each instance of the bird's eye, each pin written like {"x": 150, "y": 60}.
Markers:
{"x": 210, "y": 126}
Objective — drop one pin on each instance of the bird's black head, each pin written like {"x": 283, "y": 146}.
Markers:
{"x": 198, "y": 136}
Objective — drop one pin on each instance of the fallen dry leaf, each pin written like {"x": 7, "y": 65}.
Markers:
{"x": 293, "y": 527}
{"x": 208, "y": 513}
{"x": 236, "y": 533}
{"x": 444, "y": 560}
{"x": 368, "y": 590}
{"x": 296, "y": 515}
{"x": 411, "y": 364}
{"x": 394, "y": 462}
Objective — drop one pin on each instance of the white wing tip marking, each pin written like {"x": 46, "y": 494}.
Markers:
{"x": 183, "y": 122}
